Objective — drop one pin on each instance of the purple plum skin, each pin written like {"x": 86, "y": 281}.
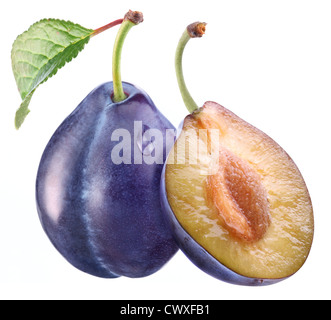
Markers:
{"x": 104, "y": 218}
{"x": 197, "y": 254}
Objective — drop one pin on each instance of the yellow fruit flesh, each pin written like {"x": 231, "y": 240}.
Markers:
{"x": 285, "y": 244}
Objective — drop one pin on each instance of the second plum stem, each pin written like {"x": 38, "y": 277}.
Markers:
{"x": 187, "y": 98}
{"x": 194, "y": 30}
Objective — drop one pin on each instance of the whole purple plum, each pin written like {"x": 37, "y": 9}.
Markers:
{"x": 104, "y": 216}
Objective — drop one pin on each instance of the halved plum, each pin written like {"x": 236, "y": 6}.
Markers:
{"x": 238, "y": 206}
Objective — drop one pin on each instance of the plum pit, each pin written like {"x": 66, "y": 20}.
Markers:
{"x": 241, "y": 200}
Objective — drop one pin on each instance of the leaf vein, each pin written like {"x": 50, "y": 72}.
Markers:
{"x": 48, "y": 40}
{"x": 33, "y": 53}
{"x": 29, "y": 63}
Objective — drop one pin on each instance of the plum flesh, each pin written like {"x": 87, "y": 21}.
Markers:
{"x": 200, "y": 256}
{"x": 105, "y": 217}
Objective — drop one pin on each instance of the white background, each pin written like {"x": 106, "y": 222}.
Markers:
{"x": 267, "y": 61}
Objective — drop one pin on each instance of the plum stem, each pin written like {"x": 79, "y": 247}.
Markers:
{"x": 131, "y": 19}
{"x": 194, "y": 30}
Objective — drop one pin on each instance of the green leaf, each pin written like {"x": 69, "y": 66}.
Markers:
{"x": 40, "y": 52}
